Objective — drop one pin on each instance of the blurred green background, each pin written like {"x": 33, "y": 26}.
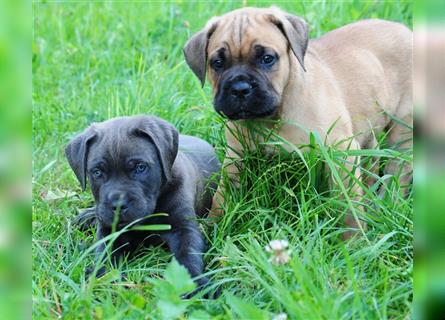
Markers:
{"x": 429, "y": 156}
{"x": 15, "y": 159}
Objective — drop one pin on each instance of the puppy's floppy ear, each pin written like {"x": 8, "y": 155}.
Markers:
{"x": 165, "y": 138}
{"x": 195, "y": 50}
{"x": 76, "y": 153}
{"x": 295, "y": 29}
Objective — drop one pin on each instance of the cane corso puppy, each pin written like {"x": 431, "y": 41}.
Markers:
{"x": 138, "y": 166}
{"x": 348, "y": 85}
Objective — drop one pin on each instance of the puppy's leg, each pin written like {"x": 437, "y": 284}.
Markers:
{"x": 232, "y": 161}
{"x": 235, "y": 133}
{"x": 187, "y": 245}
{"x": 370, "y": 178}
{"x": 401, "y": 138}
{"x": 86, "y": 219}
{"x": 351, "y": 220}
{"x": 217, "y": 202}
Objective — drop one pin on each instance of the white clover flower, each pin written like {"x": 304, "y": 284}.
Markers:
{"x": 279, "y": 254}
{"x": 280, "y": 316}
{"x": 277, "y": 245}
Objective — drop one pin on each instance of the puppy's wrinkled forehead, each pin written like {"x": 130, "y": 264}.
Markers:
{"x": 238, "y": 32}
{"x": 117, "y": 141}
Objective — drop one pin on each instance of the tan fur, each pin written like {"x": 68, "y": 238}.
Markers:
{"x": 355, "y": 74}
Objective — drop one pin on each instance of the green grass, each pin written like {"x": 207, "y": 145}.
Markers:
{"x": 96, "y": 61}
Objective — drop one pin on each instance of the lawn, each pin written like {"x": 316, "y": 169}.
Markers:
{"x": 94, "y": 61}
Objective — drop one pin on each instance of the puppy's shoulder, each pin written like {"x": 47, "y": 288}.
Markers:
{"x": 197, "y": 154}
{"x": 190, "y": 144}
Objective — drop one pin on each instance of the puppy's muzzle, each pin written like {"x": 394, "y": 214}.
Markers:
{"x": 241, "y": 88}
{"x": 242, "y": 96}
{"x": 116, "y": 207}
{"x": 118, "y": 201}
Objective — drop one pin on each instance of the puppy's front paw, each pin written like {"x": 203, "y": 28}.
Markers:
{"x": 355, "y": 228}
{"x": 204, "y": 284}
{"x": 100, "y": 272}
{"x": 212, "y": 293}
{"x": 216, "y": 211}
{"x": 86, "y": 219}
{"x": 215, "y": 214}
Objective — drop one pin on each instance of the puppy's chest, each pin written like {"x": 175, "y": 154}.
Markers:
{"x": 271, "y": 139}
{"x": 149, "y": 233}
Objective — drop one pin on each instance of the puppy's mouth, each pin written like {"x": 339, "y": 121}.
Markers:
{"x": 120, "y": 224}
{"x": 243, "y": 115}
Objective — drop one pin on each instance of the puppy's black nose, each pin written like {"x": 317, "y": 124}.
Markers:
{"x": 240, "y": 89}
{"x": 118, "y": 201}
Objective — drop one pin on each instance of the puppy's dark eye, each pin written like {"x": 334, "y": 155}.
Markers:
{"x": 217, "y": 64}
{"x": 97, "y": 173}
{"x": 140, "y": 168}
{"x": 268, "y": 59}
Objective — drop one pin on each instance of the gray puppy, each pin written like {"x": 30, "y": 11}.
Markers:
{"x": 138, "y": 166}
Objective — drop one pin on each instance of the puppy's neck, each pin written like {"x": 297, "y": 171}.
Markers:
{"x": 300, "y": 85}
{"x": 295, "y": 87}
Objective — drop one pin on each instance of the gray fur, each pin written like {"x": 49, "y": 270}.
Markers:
{"x": 175, "y": 181}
